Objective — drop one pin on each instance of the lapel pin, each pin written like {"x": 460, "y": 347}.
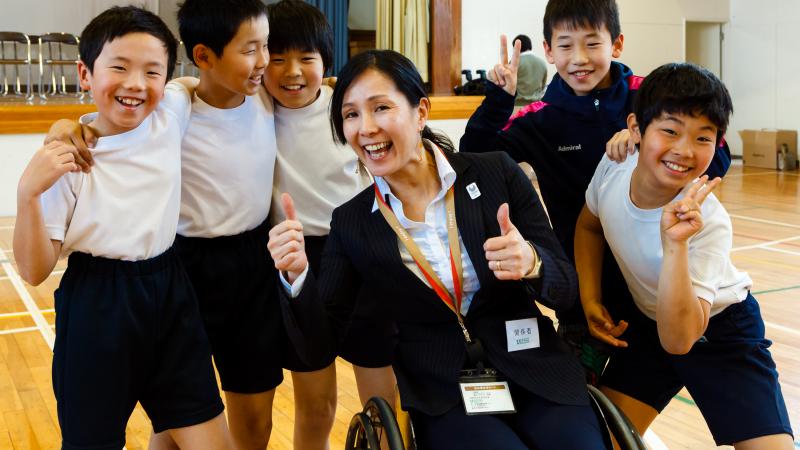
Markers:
{"x": 473, "y": 191}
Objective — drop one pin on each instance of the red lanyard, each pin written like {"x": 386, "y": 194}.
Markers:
{"x": 424, "y": 266}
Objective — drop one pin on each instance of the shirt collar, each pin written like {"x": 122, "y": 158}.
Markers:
{"x": 446, "y": 175}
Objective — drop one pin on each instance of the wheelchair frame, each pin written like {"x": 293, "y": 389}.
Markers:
{"x": 377, "y": 423}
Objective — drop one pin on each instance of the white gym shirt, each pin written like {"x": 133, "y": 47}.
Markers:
{"x": 127, "y": 207}
{"x": 317, "y": 172}
{"x": 228, "y": 164}
{"x": 635, "y": 238}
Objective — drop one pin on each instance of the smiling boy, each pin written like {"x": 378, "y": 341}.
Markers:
{"x": 694, "y": 323}
{"x": 228, "y": 159}
{"x": 564, "y": 136}
{"x": 127, "y": 326}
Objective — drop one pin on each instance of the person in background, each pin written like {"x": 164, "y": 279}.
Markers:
{"x": 531, "y": 75}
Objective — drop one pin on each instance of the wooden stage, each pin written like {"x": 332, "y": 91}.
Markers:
{"x": 19, "y": 117}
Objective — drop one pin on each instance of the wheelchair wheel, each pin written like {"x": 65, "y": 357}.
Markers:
{"x": 384, "y": 422}
{"x": 375, "y": 424}
{"x": 361, "y": 434}
{"x": 617, "y": 423}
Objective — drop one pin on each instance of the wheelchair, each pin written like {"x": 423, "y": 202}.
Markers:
{"x": 377, "y": 423}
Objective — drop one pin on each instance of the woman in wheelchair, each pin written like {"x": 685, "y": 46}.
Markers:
{"x": 456, "y": 247}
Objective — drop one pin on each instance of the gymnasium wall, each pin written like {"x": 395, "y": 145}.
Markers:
{"x": 759, "y": 59}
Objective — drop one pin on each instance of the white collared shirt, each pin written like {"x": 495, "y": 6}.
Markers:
{"x": 430, "y": 236}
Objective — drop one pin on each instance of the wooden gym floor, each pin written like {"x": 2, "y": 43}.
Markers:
{"x": 764, "y": 206}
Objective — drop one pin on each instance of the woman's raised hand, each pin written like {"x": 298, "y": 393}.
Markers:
{"x": 286, "y": 243}
{"x": 509, "y": 255}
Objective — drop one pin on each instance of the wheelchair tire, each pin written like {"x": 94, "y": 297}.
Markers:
{"x": 383, "y": 419}
{"x": 361, "y": 435}
{"x": 618, "y": 424}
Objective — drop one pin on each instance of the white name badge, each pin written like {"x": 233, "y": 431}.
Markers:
{"x": 522, "y": 334}
{"x": 492, "y": 397}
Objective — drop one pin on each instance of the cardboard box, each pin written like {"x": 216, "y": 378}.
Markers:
{"x": 770, "y": 149}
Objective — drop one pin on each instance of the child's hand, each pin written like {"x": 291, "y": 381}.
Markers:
{"x": 620, "y": 146}
{"x": 48, "y": 164}
{"x": 509, "y": 255}
{"x": 682, "y": 219}
{"x": 505, "y": 73}
{"x": 601, "y": 325}
{"x": 286, "y": 243}
{"x": 82, "y": 137}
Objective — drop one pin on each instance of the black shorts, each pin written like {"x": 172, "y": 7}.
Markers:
{"x": 127, "y": 332}
{"x": 729, "y": 372}
{"x": 370, "y": 337}
{"x": 235, "y": 281}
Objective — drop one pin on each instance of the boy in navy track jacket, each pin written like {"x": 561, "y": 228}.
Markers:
{"x": 564, "y": 136}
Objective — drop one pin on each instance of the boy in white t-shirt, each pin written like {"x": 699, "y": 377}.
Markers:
{"x": 228, "y": 158}
{"x": 320, "y": 174}
{"x": 694, "y": 322}
{"x": 127, "y": 325}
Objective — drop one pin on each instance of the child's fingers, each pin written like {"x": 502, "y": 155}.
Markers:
{"x": 503, "y": 49}
{"x": 607, "y": 338}
{"x": 515, "y": 55}
{"x": 705, "y": 190}
{"x": 619, "y": 329}
{"x": 691, "y": 216}
{"x": 695, "y": 187}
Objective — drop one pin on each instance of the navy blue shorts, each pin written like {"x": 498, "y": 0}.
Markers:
{"x": 370, "y": 338}
{"x": 235, "y": 281}
{"x": 127, "y": 332}
{"x": 729, "y": 373}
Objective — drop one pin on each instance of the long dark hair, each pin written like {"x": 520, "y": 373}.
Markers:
{"x": 397, "y": 68}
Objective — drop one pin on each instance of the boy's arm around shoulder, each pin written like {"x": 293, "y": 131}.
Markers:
{"x": 35, "y": 252}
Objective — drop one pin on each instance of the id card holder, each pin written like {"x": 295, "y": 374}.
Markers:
{"x": 484, "y": 392}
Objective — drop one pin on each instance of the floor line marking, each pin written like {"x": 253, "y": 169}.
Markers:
{"x": 781, "y": 328}
{"x": 763, "y": 245}
{"x": 769, "y": 291}
{"x": 770, "y": 222}
{"x": 44, "y": 328}
{"x": 55, "y": 272}
{"x": 25, "y": 313}
{"x": 775, "y": 172}
{"x": 18, "y": 330}
{"x": 653, "y": 441}
{"x": 780, "y": 250}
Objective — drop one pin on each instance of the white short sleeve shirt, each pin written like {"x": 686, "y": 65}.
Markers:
{"x": 227, "y": 170}
{"x": 634, "y": 236}
{"x": 127, "y": 206}
{"x": 314, "y": 169}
